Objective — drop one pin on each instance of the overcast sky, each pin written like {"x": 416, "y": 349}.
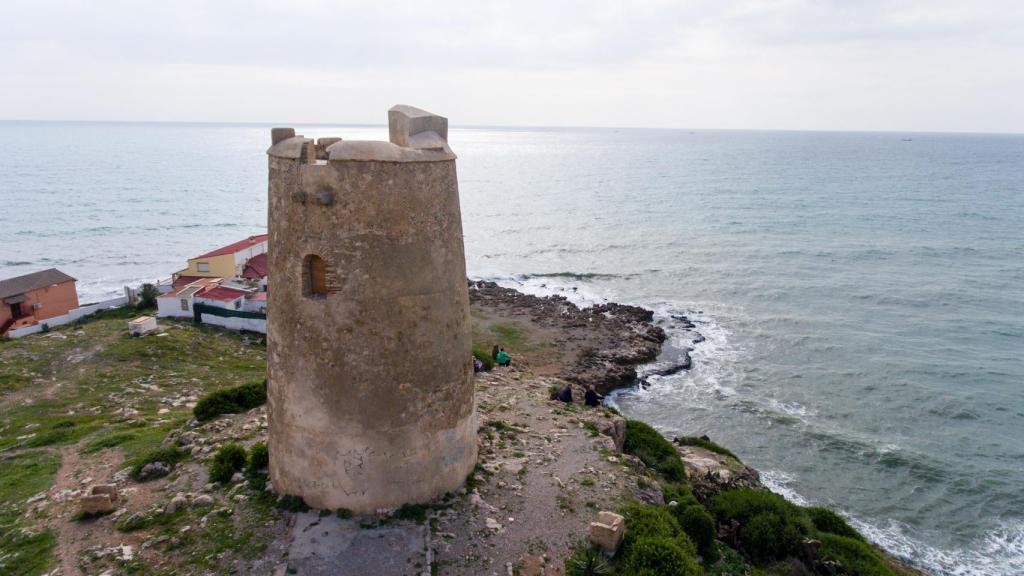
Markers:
{"x": 781, "y": 64}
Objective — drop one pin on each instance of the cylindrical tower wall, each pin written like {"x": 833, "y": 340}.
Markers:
{"x": 370, "y": 377}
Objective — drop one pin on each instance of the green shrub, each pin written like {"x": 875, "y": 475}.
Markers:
{"x": 645, "y": 520}
{"x": 858, "y": 558}
{"x": 170, "y": 456}
{"x": 770, "y": 526}
{"x": 259, "y": 459}
{"x": 745, "y": 503}
{"x": 147, "y": 296}
{"x": 229, "y": 459}
{"x": 587, "y": 561}
{"x": 768, "y": 537}
{"x": 656, "y": 555}
{"x": 705, "y": 443}
{"x": 825, "y": 520}
{"x": 231, "y": 400}
{"x": 700, "y": 527}
{"x": 292, "y": 503}
{"x": 485, "y": 357}
{"x": 654, "y": 450}
{"x": 679, "y": 493}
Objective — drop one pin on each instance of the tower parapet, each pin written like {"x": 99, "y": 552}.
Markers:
{"x": 369, "y": 366}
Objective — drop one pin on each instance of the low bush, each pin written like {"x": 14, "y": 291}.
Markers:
{"x": 705, "y": 443}
{"x": 258, "y": 460}
{"x": 745, "y": 503}
{"x": 679, "y": 493}
{"x": 825, "y": 520}
{"x": 229, "y": 459}
{"x": 587, "y": 561}
{"x": 147, "y": 297}
{"x": 857, "y": 557}
{"x": 231, "y": 400}
{"x": 657, "y": 555}
{"x": 170, "y": 456}
{"x": 770, "y": 526}
{"x": 644, "y": 520}
{"x": 654, "y": 450}
{"x": 700, "y": 527}
{"x": 768, "y": 537}
{"x": 291, "y": 503}
{"x": 484, "y": 356}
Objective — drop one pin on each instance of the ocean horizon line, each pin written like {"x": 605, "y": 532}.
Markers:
{"x": 509, "y": 127}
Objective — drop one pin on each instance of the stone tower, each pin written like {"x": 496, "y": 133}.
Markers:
{"x": 368, "y": 340}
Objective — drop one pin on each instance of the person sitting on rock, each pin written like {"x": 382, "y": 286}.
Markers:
{"x": 566, "y": 394}
{"x": 592, "y": 398}
{"x": 503, "y": 358}
{"x": 478, "y": 365}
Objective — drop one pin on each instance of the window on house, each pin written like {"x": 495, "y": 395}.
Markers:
{"x": 314, "y": 277}
{"x": 184, "y": 304}
{"x": 238, "y": 304}
{"x": 203, "y": 266}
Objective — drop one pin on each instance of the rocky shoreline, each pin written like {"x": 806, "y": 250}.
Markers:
{"x": 620, "y": 337}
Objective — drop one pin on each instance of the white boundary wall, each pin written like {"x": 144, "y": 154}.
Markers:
{"x": 71, "y": 317}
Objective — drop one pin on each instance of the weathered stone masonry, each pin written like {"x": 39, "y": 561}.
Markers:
{"x": 370, "y": 375}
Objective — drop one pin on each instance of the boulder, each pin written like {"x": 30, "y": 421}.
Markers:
{"x": 710, "y": 473}
{"x": 203, "y": 500}
{"x": 607, "y": 532}
{"x": 92, "y": 504}
{"x": 108, "y": 489}
{"x": 175, "y": 504}
{"x": 154, "y": 470}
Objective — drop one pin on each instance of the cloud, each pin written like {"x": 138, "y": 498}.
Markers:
{"x": 798, "y": 64}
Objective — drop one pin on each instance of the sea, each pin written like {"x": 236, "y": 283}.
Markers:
{"x": 861, "y": 294}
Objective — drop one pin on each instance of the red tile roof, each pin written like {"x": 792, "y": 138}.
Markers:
{"x": 222, "y": 293}
{"x": 256, "y": 268}
{"x": 232, "y": 248}
{"x": 258, "y": 296}
{"x": 197, "y": 283}
{"x": 182, "y": 281}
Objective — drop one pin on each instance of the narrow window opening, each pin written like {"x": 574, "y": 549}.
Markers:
{"x": 315, "y": 276}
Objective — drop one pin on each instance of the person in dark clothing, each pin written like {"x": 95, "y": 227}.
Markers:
{"x": 592, "y": 398}
{"x": 494, "y": 352}
{"x": 566, "y": 394}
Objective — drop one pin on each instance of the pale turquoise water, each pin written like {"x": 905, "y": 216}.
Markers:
{"x": 862, "y": 294}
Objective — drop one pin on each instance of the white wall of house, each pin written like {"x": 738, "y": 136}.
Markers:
{"x": 172, "y": 307}
{"x": 243, "y": 255}
{"x": 259, "y": 306}
{"x": 69, "y": 317}
{"x": 235, "y": 304}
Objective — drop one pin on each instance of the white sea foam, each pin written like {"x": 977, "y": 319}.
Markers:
{"x": 781, "y": 483}
{"x": 999, "y": 553}
{"x": 581, "y": 296}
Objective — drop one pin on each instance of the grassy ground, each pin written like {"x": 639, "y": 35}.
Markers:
{"x": 517, "y": 338}
{"x": 93, "y": 387}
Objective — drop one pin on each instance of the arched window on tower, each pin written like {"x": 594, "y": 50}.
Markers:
{"x": 315, "y": 277}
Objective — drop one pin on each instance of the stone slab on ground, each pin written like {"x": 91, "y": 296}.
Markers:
{"x": 330, "y": 546}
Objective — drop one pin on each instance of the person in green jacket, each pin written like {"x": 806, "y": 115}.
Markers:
{"x": 503, "y": 358}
